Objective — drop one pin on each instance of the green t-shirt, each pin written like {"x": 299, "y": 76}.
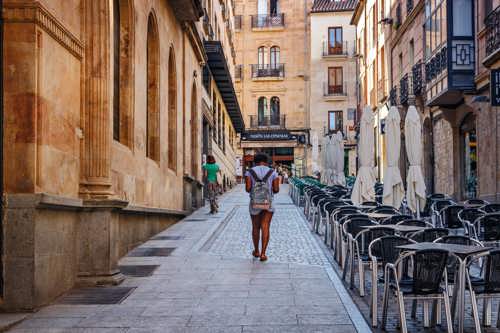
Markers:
{"x": 211, "y": 172}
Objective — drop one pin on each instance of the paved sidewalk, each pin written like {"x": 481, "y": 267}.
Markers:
{"x": 210, "y": 283}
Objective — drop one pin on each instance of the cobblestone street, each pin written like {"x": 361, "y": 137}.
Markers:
{"x": 208, "y": 282}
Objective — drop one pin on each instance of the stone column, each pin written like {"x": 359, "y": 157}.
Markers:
{"x": 96, "y": 149}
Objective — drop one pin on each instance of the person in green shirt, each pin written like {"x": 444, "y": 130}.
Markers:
{"x": 210, "y": 170}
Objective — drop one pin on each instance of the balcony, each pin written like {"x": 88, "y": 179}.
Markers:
{"x": 268, "y": 21}
{"x": 334, "y": 92}
{"x": 492, "y": 23}
{"x": 238, "y": 72}
{"x": 403, "y": 90}
{"x": 268, "y": 72}
{"x": 417, "y": 78}
{"x": 338, "y": 49}
{"x": 207, "y": 26}
{"x": 393, "y": 96}
{"x": 409, "y": 7}
{"x": 238, "y": 22}
{"x": 277, "y": 122}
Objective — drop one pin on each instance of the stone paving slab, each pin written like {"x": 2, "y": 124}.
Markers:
{"x": 210, "y": 282}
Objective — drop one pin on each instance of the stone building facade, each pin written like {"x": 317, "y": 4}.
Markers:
{"x": 102, "y": 117}
{"x": 272, "y": 78}
{"x": 333, "y": 88}
{"x": 445, "y": 72}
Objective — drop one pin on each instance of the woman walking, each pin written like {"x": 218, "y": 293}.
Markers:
{"x": 210, "y": 170}
{"x": 262, "y": 183}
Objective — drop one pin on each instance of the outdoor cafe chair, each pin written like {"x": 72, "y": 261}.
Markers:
{"x": 450, "y": 220}
{"x": 487, "y": 229}
{"x": 320, "y": 214}
{"x": 351, "y": 229}
{"x": 487, "y": 287}
{"x": 337, "y": 240}
{"x": 492, "y": 208}
{"x": 436, "y": 209}
{"x": 370, "y": 204}
{"x": 428, "y": 273}
{"x": 382, "y": 250}
{"x": 396, "y": 218}
{"x": 416, "y": 223}
{"x": 476, "y": 202}
{"x": 384, "y": 210}
{"x": 313, "y": 209}
{"x": 468, "y": 216}
{"x": 327, "y": 207}
{"x": 452, "y": 264}
{"x": 429, "y": 235}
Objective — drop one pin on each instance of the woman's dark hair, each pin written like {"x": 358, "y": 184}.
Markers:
{"x": 210, "y": 159}
{"x": 261, "y": 158}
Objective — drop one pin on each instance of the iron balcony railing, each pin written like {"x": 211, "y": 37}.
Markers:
{"x": 393, "y": 96}
{"x": 330, "y": 90}
{"x": 238, "y": 22}
{"x": 492, "y": 23}
{"x": 268, "y": 21}
{"x": 238, "y": 72}
{"x": 268, "y": 121}
{"x": 417, "y": 78}
{"x": 268, "y": 70}
{"x": 337, "y": 49}
{"x": 403, "y": 90}
{"x": 409, "y": 7}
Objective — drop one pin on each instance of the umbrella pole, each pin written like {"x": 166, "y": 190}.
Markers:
{"x": 418, "y": 209}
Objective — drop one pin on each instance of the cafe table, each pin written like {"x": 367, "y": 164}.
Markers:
{"x": 400, "y": 229}
{"x": 462, "y": 252}
{"x": 379, "y": 216}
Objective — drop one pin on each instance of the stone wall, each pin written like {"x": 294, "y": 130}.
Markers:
{"x": 443, "y": 162}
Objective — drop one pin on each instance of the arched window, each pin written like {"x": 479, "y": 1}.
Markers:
{"x": 153, "y": 93}
{"x": 261, "y": 55}
{"x": 123, "y": 37}
{"x": 194, "y": 133}
{"x": 172, "y": 111}
{"x": 275, "y": 57}
{"x": 262, "y": 111}
{"x": 275, "y": 111}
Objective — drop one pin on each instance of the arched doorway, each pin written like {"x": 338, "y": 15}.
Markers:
{"x": 468, "y": 144}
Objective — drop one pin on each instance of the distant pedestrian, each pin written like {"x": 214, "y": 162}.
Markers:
{"x": 262, "y": 183}
{"x": 211, "y": 171}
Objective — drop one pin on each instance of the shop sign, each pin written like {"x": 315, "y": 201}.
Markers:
{"x": 495, "y": 87}
{"x": 268, "y": 136}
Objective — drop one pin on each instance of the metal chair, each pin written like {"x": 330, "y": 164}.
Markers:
{"x": 382, "y": 251}
{"x": 492, "y": 208}
{"x": 351, "y": 229}
{"x": 450, "y": 220}
{"x": 487, "y": 287}
{"x": 478, "y": 202}
{"x": 487, "y": 229}
{"x": 384, "y": 210}
{"x": 336, "y": 232}
{"x": 468, "y": 216}
{"x": 415, "y": 223}
{"x": 429, "y": 269}
{"x": 320, "y": 215}
{"x": 436, "y": 209}
{"x": 429, "y": 235}
{"x": 328, "y": 209}
{"x": 396, "y": 218}
{"x": 313, "y": 209}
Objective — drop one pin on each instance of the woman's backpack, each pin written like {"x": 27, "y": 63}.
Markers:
{"x": 260, "y": 196}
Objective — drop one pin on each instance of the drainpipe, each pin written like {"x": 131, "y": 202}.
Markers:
{"x": 1, "y": 150}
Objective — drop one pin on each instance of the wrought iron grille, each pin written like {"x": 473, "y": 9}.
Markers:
{"x": 268, "y": 21}
{"x": 403, "y": 89}
{"x": 267, "y": 70}
{"x": 436, "y": 65}
{"x": 238, "y": 22}
{"x": 492, "y": 23}
{"x": 268, "y": 121}
{"x": 417, "y": 79}
{"x": 393, "y": 96}
{"x": 409, "y": 6}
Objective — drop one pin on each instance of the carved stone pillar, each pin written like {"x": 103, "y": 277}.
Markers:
{"x": 96, "y": 152}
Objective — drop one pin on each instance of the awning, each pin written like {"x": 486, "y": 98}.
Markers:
{"x": 222, "y": 77}
{"x": 187, "y": 10}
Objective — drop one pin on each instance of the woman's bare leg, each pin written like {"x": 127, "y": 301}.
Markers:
{"x": 265, "y": 224}
{"x": 256, "y": 225}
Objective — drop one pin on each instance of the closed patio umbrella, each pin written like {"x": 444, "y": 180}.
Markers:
{"x": 363, "y": 189}
{"x": 393, "y": 184}
{"x": 328, "y": 159}
{"x": 415, "y": 185}
{"x": 339, "y": 159}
